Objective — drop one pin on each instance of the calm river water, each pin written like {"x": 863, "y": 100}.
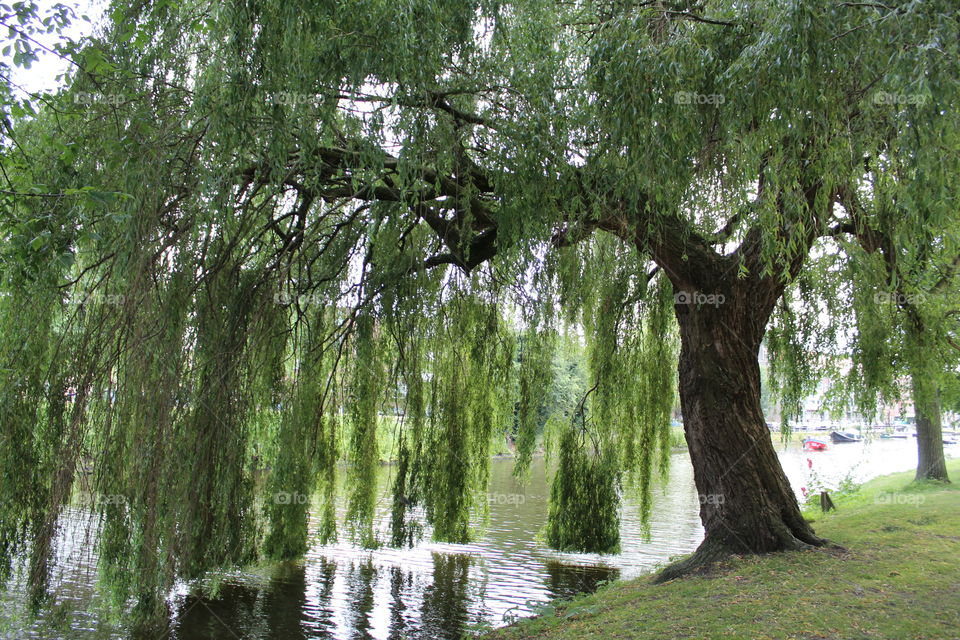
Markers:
{"x": 432, "y": 590}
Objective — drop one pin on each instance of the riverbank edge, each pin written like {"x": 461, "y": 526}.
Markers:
{"x": 897, "y": 576}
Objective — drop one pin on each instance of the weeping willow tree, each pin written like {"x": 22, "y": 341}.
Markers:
{"x": 883, "y": 290}
{"x": 245, "y": 227}
{"x": 907, "y": 300}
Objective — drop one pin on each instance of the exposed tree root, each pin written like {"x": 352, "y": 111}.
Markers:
{"x": 699, "y": 562}
{"x": 711, "y": 552}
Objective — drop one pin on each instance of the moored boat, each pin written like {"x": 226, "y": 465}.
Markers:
{"x": 812, "y": 444}
{"x": 845, "y": 436}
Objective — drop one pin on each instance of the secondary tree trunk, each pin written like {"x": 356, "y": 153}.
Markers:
{"x": 926, "y": 405}
{"x": 926, "y": 400}
{"x": 746, "y": 502}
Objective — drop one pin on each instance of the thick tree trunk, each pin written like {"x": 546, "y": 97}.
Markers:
{"x": 746, "y": 502}
{"x": 926, "y": 405}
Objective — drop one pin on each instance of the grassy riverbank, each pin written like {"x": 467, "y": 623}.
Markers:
{"x": 899, "y": 577}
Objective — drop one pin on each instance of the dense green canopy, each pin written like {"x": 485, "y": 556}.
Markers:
{"x": 245, "y": 229}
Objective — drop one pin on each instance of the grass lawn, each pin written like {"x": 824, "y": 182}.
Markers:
{"x": 899, "y": 578}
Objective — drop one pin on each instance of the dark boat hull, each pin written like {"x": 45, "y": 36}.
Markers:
{"x": 837, "y": 437}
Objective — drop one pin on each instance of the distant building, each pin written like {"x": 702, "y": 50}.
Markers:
{"x": 816, "y": 410}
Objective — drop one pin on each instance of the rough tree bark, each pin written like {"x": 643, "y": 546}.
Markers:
{"x": 746, "y": 502}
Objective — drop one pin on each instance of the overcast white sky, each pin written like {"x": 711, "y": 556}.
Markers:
{"x": 42, "y": 74}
